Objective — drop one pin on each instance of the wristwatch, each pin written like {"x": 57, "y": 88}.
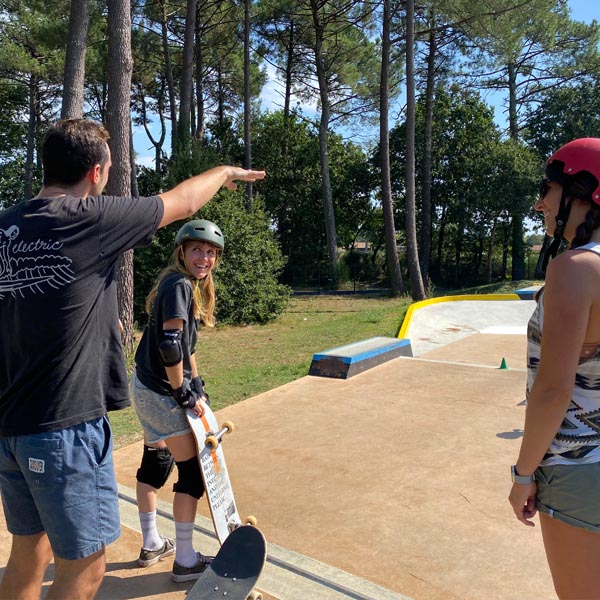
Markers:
{"x": 521, "y": 479}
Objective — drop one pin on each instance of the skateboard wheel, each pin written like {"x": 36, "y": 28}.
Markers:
{"x": 254, "y": 595}
{"x": 211, "y": 442}
{"x": 251, "y": 520}
{"x": 229, "y": 426}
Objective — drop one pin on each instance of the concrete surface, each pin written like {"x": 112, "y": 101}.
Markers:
{"x": 392, "y": 484}
{"x": 437, "y": 322}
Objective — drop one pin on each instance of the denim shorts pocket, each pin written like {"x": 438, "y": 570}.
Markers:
{"x": 103, "y": 445}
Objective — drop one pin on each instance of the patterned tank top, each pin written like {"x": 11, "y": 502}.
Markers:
{"x": 578, "y": 438}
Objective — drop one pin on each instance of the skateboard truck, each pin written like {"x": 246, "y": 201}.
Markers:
{"x": 212, "y": 441}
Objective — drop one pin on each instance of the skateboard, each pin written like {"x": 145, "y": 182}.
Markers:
{"x": 219, "y": 492}
{"x": 235, "y": 569}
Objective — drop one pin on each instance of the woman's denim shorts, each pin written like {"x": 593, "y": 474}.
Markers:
{"x": 160, "y": 416}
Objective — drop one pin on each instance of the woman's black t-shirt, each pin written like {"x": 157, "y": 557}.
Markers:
{"x": 173, "y": 301}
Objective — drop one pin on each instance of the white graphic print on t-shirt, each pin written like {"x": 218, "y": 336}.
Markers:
{"x": 31, "y": 266}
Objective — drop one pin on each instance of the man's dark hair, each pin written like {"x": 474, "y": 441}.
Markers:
{"x": 70, "y": 148}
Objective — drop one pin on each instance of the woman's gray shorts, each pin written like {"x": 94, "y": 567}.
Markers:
{"x": 570, "y": 493}
{"x": 160, "y": 416}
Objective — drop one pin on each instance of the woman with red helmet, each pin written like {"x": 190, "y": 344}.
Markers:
{"x": 557, "y": 472}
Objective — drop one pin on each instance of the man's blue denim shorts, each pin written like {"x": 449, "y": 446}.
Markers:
{"x": 62, "y": 482}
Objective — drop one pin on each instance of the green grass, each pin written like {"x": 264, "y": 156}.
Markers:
{"x": 239, "y": 362}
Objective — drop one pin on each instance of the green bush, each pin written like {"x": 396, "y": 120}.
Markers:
{"x": 248, "y": 289}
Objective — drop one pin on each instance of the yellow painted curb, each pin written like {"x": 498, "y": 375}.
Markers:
{"x": 417, "y": 305}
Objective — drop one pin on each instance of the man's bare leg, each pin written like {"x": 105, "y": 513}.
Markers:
{"x": 29, "y": 557}
{"x": 78, "y": 579}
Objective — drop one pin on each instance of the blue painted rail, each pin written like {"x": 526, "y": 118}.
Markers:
{"x": 349, "y": 360}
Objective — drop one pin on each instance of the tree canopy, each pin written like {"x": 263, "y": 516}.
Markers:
{"x": 196, "y": 97}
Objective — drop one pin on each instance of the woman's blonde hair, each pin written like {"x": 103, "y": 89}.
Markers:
{"x": 203, "y": 298}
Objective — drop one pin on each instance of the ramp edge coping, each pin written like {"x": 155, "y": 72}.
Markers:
{"x": 467, "y": 297}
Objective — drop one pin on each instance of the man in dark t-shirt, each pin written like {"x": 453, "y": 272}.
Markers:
{"x": 61, "y": 365}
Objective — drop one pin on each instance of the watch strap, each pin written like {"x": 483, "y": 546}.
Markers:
{"x": 520, "y": 479}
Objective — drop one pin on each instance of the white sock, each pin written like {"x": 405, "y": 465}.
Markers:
{"x": 185, "y": 555}
{"x": 150, "y": 535}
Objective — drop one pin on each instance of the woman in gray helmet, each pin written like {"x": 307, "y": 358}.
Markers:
{"x": 165, "y": 383}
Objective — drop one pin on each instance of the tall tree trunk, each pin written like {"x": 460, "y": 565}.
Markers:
{"x": 425, "y": 237}
{"x": 168, "y": 71}
{"x": 31, "y": 135}
{"x": 412, "y": 253}
{"x": 289, "y": 70}
{"x": 327, "y": 196}
{"x": 505, "y": 244}
{"x": 441, "y": 238}
{"x": 513, "y": 126}
{"x": 120, "y": 67}
{"x": 220, "y": 99}
{"x": 247, "y": 113}
{"x": 201, "y": 120}
{"x": 490, "y": 253}
{"x": 330, "y": 229}
{"x": 518, "y": 248}
{"x": 74, "y": 73}
{"x": 458, "y": 247}
{"x": 518, "y": 230}
{"x": 184, "y": 133}
{"x": 478, "y": 256}
{"x": 391, "y": 246}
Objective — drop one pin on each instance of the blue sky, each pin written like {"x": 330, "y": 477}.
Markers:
{"x": 584, "y": 10}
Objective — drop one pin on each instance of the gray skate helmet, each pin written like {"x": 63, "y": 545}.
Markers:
{"x": 200, "y": 230}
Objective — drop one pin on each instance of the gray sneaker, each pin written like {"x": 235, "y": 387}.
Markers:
{"x": 150, "y": 557}
{"x": 180, "y": 573}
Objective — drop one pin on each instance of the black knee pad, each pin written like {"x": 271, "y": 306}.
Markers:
{"x": 190, "y": 478}
{"x": 156, "y": 466}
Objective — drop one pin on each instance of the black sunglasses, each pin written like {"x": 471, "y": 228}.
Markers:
{"x": 544, "y": 188}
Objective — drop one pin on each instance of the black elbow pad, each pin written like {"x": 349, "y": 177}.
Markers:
{"x": 169, "y": 348}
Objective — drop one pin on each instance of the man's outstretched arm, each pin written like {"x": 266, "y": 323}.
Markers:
{"x": 192, "y": 194}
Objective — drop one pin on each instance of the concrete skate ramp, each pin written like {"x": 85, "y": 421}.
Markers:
{"x": 440, "y": 321}
{"x": 391, "y": 484}
{"x": 399, "y": 476}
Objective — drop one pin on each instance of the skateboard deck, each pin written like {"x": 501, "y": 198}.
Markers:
{"x": 235, "y": 569}
{"x": 219, "y": 492}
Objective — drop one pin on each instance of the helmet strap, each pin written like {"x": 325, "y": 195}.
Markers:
{"x": 562, "y": 217}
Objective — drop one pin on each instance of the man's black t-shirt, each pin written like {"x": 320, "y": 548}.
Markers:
{"x": 61, "y": 358}
{"x": 173, "y": 301}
